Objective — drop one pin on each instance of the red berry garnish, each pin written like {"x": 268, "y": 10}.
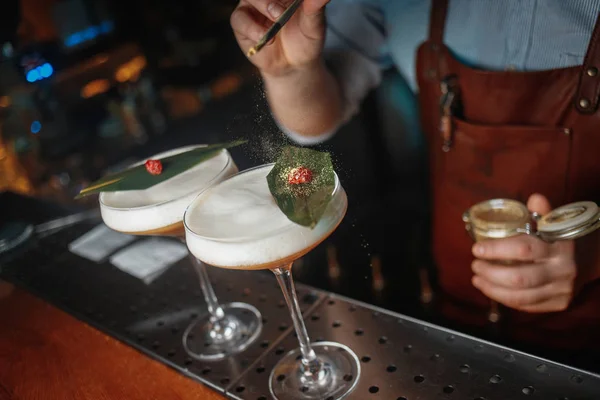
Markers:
{"x": 154, "y": 167}
{"x": 299, "y": 175}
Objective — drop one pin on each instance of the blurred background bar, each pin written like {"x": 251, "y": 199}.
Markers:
{"x": 84, "y": 84}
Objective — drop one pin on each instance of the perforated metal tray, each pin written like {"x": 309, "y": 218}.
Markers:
{"x": 402, "y": 358}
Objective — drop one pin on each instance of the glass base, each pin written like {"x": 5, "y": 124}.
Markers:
{"x": 206, "y": 340}
{"x": 338, "y": 377}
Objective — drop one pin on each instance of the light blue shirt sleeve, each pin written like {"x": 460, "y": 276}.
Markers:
{"x": 356, "y": 51}
{"x": 366, "y": 36}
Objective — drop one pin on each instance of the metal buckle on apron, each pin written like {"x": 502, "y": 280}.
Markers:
{"x": 449, "y": 107}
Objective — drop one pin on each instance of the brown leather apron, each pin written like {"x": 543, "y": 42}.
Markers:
{"x": 508, "y": 134}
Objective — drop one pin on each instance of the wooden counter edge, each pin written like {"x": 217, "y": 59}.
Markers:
{"x": 46, "y": 353}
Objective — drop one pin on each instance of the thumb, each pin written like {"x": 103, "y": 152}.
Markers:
{"x": 312, "y": 18}
{"x": 312, "y": 7}
{"x": 539, "y": 203}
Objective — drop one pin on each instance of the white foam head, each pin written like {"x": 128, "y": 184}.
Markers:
{"x": 237, "y": 224}
{"x": 163, "y": 204}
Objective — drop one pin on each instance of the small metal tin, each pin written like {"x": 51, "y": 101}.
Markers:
{"x": 497, "y": 219}
{"x": 502, "y": 218}
{"x": 569, "y": 222}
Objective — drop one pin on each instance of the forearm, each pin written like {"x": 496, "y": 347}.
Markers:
{"x": 306, "y": 101}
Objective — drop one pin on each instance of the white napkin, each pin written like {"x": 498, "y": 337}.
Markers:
{"x": 149, "y": 258}
{"x": 99, "y": 243}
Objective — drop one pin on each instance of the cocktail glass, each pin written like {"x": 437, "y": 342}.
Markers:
{"x": 158, "y": 211}
{"x": 236, "y": 224}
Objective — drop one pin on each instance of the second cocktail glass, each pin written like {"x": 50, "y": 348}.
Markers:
{"x": 236, "y": 224}
{"x": 158, "y": 211}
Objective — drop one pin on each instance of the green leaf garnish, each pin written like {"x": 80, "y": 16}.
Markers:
{"x": 302, "y": 203}
{"x": 138, "y": 178}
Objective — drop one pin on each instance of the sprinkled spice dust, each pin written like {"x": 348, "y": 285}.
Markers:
{"x": 265, "y": 139}
{"x": 302, "y": 203}
{"x": 266, "y": 145}
{"x": 319, "y": 179}
{"x": 255, "y": 123}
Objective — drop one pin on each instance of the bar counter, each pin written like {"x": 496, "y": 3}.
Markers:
{"x": 47, "y": 354}
{"x": 130, "y": 345}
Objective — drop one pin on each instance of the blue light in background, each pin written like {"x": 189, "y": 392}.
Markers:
{"x": 38, "y": 73}
{"x": 36, "y": 126}
{"x": 33, "y": 75}
{"x": 89, "y": 33}
{"x": 73, "y": 39}
{"x": 46, "y": 70}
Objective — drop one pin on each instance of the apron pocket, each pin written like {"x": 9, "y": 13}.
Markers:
{"x": 507, "y": 161}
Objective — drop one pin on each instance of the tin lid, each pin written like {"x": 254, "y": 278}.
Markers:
{"x": 570, "y": 221}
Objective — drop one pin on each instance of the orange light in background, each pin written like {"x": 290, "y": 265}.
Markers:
{"x": 181, "y": 102}
{"x": 225, "y": 85}
{"x": 13, "y": 176}
{"x": 130, "y": 71}
{"x": 95, "y": 88}
{"x": 5, "y": 101}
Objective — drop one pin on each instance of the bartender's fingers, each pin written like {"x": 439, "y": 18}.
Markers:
{"x": 515, "y": 276}
{"x": 272, "y": 9}
{"x": 559, "y": 303}
{"x": 539, "y": 203}
{"x": 516, "y": 248}
{"x": 247, "y": 24}
{"x": 312, "y": 21}
{"x": 314, "y": 6}
{"x": 519, "y": 298}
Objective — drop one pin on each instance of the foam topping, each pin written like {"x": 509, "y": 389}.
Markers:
{"x": 237, "y": 223}
{"x": 239, "y": 207}
{"x": 163, "y": 204}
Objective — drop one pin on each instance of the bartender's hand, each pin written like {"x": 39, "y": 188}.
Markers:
{"x": 543, "y": 277}
{"x": 297, "y": 45}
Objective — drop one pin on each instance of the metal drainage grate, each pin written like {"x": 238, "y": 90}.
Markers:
{"x": 402, "y": 358}
{"x": 406, "y": 359}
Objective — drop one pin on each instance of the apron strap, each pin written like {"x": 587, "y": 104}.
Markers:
{"x": 588, "y": 92}
{"x": 437, "y": 21}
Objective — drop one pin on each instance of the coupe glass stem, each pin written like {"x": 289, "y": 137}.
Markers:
{"x": 215, "y": 310}
{"x": 310, "y": 362}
